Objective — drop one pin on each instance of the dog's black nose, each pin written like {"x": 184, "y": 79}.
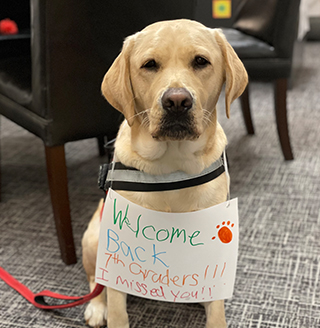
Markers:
{"x": 178, "y": 100}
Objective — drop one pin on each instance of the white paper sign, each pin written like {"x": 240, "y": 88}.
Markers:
{"x": 175, "y": 257}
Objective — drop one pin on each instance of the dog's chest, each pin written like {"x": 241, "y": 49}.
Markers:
{"x": 186, "y": 156}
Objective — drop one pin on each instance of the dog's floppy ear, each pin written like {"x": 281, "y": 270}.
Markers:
{"x": 116, "y": 84}
{"x": 236, "y": 75}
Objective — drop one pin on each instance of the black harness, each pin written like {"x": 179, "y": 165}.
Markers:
{"x": 120, "y": 177}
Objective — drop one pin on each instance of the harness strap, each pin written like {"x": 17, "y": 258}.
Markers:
{"x": 121, "y": 177}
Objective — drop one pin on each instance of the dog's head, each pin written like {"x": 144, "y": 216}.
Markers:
{"x": 169, "y": 76}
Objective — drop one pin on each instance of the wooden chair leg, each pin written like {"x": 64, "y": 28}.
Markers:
{"x": 58, "y": 184}
{"x": 101, "y": 146}
{"x": 280, "y": 96}
{"x": 245, "y": 106}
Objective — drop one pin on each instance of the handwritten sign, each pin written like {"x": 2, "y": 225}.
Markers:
{"x": 177, "y": 257}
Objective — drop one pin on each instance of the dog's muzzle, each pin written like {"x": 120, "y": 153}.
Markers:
{"x": 177, "y": 122}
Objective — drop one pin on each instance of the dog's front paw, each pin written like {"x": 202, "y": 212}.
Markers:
{"x": 215, "y": 314}
{"x": 120, "y": 321}
{"x": 216, "y": 323}
{"x": 219, "y": 325}
{"x": 96, "y": 314}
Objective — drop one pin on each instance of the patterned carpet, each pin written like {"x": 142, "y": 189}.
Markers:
{"x": 277, "y": 282}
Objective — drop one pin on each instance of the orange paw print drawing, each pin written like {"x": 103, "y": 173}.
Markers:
{"x": 224, "y": 232}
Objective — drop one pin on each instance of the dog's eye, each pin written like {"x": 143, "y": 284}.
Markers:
{"x": 150, "y": 64}
{"x": 200, "y": 62}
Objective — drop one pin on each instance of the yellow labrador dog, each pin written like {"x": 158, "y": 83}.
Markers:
{"x": 167, "y": 81}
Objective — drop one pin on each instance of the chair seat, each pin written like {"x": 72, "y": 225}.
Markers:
{"x": 247, "y": 46}
{"x": 15, "y": 79}
{"x": 259, "y": 58}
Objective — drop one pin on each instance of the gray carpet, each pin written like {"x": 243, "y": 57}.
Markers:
{"x": 277, "y": 282}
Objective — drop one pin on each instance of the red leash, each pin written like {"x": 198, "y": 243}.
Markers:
{"x": 38, "y": 299}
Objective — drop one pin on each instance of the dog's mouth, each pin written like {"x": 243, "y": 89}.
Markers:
{"x": 176, "y": 127}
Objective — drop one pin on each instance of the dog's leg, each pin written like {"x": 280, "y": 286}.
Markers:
{"x": 96, "y": 311}
{"x": 215, "y": 314}
{"x": 117, "y": 309}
